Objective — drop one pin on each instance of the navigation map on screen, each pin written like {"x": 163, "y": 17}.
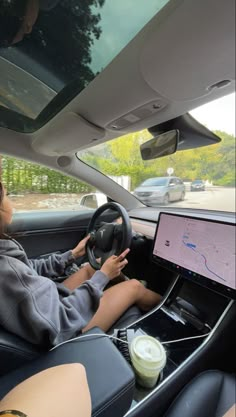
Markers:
{"x": 201, "y": 246}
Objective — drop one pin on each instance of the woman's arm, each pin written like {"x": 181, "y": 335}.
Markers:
{"x": 57, "y": 392}
{"x": 54, "y": 265}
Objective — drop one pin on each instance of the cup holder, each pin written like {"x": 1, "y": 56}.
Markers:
{"x": 159, "y": 380}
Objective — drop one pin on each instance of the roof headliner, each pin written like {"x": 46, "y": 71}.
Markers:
{"x": 151, "y": 69}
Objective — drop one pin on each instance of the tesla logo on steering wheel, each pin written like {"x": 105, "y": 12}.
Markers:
{"x": 102, "y": 231}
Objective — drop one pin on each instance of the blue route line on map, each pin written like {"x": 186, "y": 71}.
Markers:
{"x": 193, "y": 247}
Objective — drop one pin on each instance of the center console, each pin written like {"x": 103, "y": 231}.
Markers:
{"x": 197, "y": 314}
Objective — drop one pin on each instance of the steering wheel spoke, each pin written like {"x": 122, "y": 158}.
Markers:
{"x": 118, "y": 231}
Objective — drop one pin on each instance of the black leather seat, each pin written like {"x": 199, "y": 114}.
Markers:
{"x": 210, "y": 394}
{"x": 15, "y": 352}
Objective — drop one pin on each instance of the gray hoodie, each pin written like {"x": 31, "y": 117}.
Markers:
{"x": 35, "y": 307}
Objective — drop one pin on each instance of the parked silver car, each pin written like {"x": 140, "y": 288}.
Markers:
{"x": 160, "y": 190}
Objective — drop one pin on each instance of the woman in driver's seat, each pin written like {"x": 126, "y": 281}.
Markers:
{"x": 43, "y": 311}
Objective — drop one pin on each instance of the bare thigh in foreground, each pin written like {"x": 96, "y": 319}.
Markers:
{"x": 56, "y": 392}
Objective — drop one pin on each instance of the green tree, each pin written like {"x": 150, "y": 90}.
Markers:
{"x": 122, "y": 157}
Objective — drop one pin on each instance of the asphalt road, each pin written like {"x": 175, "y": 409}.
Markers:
{"x": 214, "y": 198}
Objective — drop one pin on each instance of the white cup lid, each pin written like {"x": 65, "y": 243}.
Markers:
{"x": 148, "y": 348}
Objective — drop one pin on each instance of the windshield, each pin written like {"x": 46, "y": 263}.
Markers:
{"x": 213, "y": 165}
{"x": 154, "y": 182}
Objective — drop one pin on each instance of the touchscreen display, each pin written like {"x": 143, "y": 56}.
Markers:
{"x": 201, "y": 248}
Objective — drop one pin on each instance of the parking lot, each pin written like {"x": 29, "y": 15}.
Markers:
{"x": 214, "y": 198}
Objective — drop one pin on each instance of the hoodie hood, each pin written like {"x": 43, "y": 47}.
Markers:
{"x": 10, "y": 247}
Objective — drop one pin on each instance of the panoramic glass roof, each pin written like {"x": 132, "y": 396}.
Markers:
{"x": 70, "y": 43}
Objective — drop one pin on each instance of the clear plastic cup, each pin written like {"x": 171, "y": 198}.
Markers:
{"x": 148, "y": 358}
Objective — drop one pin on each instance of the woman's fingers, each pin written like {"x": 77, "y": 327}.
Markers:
{"x": 123, "y": 263}
{"x": 121, "y": 258}
{"x": 123, "y": 254}
{"x": 114, "y": 264}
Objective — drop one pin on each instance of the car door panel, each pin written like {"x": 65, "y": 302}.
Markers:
{"x": 42, "y": 233}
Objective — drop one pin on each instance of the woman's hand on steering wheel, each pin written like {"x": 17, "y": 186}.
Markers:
{"x": 80, "y": 249}
{"x": 113, "y": 266}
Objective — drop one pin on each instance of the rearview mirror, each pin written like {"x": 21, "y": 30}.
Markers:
{"x": 162, "y": 145}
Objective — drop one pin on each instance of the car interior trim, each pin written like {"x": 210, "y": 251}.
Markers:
{"x": 159, "y": 306}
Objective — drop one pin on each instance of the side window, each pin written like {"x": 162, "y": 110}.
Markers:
{"x": 34, "y": 187}
{"x": 179, "y": 181}
{"x": 172, "y": 181}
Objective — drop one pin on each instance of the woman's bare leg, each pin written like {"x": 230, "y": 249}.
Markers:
{"x": 76, "y": 279}
{"x": 84, "y": 274}
{"x": 116, "y": 300}
{"x": 56, "y": 392}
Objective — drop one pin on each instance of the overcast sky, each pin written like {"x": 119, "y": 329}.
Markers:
{"x": 218, "y": 115}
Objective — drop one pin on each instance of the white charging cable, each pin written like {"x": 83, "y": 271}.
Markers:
{"x": 185, "y": 338}
{"x": 124, "y": 341}
{"x": 86, "y": 336}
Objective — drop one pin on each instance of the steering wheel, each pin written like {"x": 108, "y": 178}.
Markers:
{"x": 110, "y": 238}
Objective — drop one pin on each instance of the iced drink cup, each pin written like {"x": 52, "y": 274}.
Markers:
{"x": 148, "y": 359}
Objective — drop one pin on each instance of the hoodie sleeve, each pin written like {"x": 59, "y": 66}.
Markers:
{"x": 32, "y": 307}
{"x": 53, "y": 266}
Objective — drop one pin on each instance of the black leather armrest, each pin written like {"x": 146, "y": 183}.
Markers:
{"x": 110, "y": 378}
{"x": 15, "y": 352}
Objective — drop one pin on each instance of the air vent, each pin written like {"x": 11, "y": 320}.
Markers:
{"x": 137, "y": 115}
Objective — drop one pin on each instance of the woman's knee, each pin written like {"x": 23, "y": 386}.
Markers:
{"x": 73, "y": 371}
{"x": 89, "y": 270}
{"x": 137, "y": 288}
{"x": 78, "y": 368}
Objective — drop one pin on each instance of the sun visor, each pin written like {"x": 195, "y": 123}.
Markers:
{"x": 67, "y": 134}
{"x": 192, "y": 133}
